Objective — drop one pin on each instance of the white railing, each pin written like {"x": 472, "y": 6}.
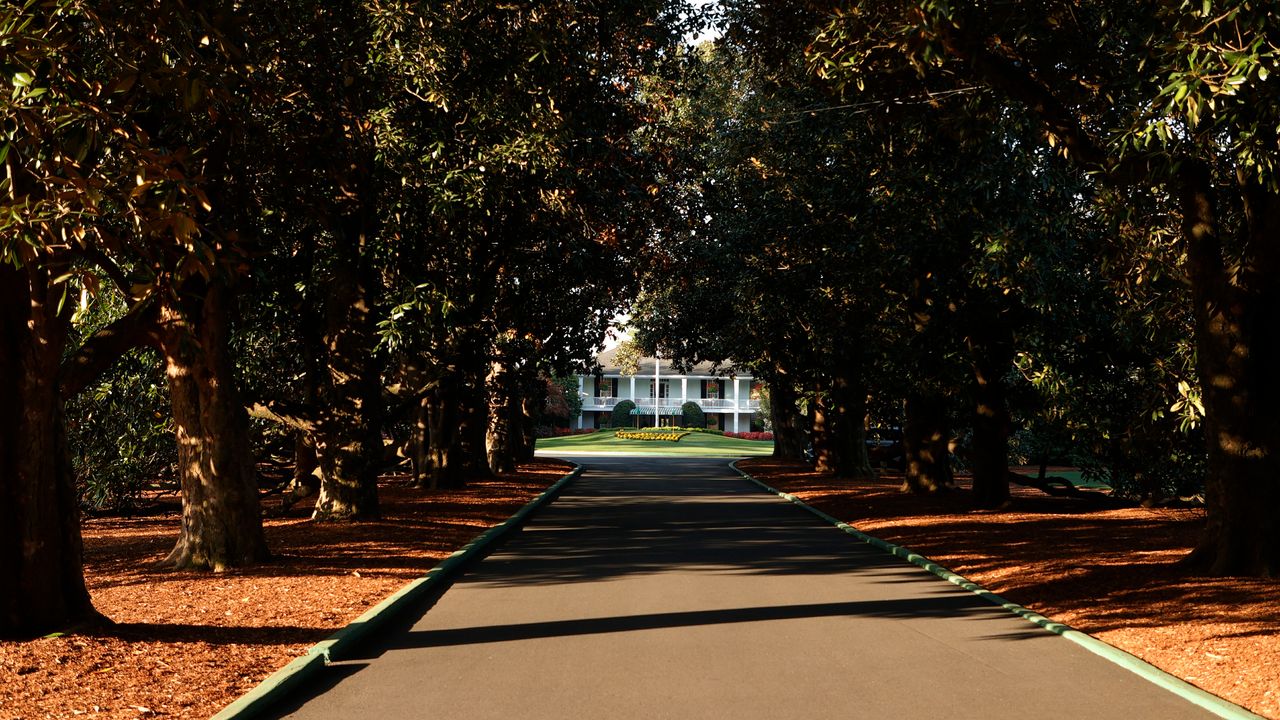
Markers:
{"x": 704, "y": 402}
{"x": 589, "y": 401}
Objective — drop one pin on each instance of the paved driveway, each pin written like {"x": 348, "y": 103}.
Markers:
{"x": 672, "y": 588}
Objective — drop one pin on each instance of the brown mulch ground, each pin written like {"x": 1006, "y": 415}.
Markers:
{"x": 1100, "y": 567}
{"x": 186, "y": 644}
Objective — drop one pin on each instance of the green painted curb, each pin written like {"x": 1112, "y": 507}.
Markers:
{"x": 291, "y": 676}
{"x": 1132, "y": 663}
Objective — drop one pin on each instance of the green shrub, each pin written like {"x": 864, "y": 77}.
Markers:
{"x": 621, "y": 416}
{"x": 120, "y": 435}
{"x": 692, "y": 416}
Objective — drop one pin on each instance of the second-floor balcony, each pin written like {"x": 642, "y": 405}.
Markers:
{"x": 591, "y": 402}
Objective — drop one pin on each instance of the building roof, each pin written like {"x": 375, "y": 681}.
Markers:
{"x": 609, "y": 366}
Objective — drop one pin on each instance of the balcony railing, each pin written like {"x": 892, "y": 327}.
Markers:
{"x": 607, "y": 402}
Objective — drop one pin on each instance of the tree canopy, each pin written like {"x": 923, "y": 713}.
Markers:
{"x": 339, "y": 236}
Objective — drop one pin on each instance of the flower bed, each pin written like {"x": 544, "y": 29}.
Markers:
{"x": 668, "y": 435}
{"x": 750, "y": 435}
{"x": 550, "y": 432}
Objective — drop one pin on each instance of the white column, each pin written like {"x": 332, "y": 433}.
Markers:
{"x": 633, "y": 389}
{"x": 582, "y": 395}
{"x": 684, "y": 390}
{"x": 735, "y": 403}
{"x": 657, "y": 390}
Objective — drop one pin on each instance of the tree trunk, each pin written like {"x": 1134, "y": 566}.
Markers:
{"x": 306, "y": 468}
{"x": 419, "y": 439}
{"x": 822, "y": 433}
{"x": 924, "y": 443}
{"x": 473, "y": 429}
{"x": 839, "y": 431}
{"x": 991, "y": 351}
{"x": 1237, "y": 315}
{"x": 500, "y": 428}
{"x": 349, "y": 424}
{"x": 221, "y": 518}
{"x": 530, "y": 402}
{"x": 788, "y": 424}
{"x": 444, "y": 467}
{"x": 40, "y": 546}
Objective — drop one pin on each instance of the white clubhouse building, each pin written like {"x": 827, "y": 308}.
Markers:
{"x": 731, "y": 402}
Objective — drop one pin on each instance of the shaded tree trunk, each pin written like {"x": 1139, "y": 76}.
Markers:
{"x": 838, "y": 427}
{"x": 221, "y": 518}
{"x": 1237, "y": 315}
{"x": 925, "y": 441}
{"x": 788, "y": 423}
{"x": 306, "y": 468}
{"x": 444, "y": 410}
{"x": 40, "y": 548}
{"x": 991, "y": 352}
{"x": 348, "y": 433}
{"x": 473, "y": 428}
{"x": 419, "y": 441}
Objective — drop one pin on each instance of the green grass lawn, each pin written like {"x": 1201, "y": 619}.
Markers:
{"x": 692, "y": 445}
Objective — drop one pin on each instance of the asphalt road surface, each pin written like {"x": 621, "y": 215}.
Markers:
{"x": 672, "y": 588}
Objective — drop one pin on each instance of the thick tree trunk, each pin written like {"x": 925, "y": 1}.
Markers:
{"x": 991, "y": 351}
{"x": 501, "y": 429}
{"x": 925, "y": 443}
{"x": 40, "y": 547}
{"x": 822, "y": 433}
{"x": 473, "y": 429}
{"x": 838, "y": 430}
{"x": 444, "y": 467}
{"x": 221, "y": 517}
{"x": 349, "y": 425}
{"x": 788, "y": 424}
{"x": 1237, "y": 314}
{"x": 419, "y": 438}
{"x": 306, "y": 467}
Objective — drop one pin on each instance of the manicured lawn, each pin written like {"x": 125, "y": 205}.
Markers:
{"x": 693, "y": 444}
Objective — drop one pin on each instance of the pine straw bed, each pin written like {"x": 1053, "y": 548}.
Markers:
{"x": 186, "y": 644}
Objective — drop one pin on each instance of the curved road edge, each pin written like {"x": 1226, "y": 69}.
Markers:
{"x": 1151, "y": 673}
{"x": 286, "y": 679}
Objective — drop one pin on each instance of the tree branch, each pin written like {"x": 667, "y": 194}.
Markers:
{"x": 138, "y": 328}
{"x": 297, "y": 417}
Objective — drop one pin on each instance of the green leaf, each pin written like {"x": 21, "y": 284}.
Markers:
{"x": 23, "y": 79}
